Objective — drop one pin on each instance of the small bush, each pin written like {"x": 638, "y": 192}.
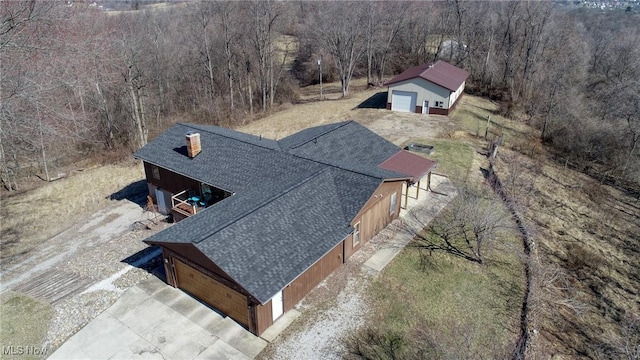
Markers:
{"x": 375, "y": 344}
{"x": 595, "y": 191}
{"x": 530, "y": 148}
{"x": 581, "y": 260}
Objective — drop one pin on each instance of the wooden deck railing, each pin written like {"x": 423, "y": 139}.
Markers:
{"x": 180, "y": 203}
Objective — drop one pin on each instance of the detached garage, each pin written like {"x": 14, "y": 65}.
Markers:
{"x": 432, "y": 88}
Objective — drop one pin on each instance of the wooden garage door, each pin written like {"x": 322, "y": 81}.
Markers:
{"x": 212, "y": 292}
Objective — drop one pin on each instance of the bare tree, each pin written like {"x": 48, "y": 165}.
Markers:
{"x": 227, "y": 12}
{"x": 264, "y": 16}
{"x": 382, "y": 32}
{"x": 470, "y": 223}
{"x": 203, "y": 13}
{"x": 341, "y": 34}
{"x": 135, "y": 80}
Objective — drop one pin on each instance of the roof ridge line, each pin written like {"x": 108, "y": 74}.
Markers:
{"x": 346, "y": 169}
{"x": 262, "y": 204}
{"x": 229, "y": 137}
{"x": 322, "y": 134}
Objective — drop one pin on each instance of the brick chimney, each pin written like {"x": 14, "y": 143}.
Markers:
{"x": 193, "y": 144}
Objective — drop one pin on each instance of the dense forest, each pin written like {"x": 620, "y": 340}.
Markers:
{"x": 78, "y": 81}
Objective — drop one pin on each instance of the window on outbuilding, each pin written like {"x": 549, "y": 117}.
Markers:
{"x": 356, "y": 234}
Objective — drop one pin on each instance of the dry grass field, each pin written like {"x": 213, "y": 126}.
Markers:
{"x": 586, "y": 300}
{"x": 31, "y": 217}
{"x": 586, "y": 235}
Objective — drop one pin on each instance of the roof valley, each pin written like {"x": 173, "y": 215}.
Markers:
{"x": 266, "y": 201}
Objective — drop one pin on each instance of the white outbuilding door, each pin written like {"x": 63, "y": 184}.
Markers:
{"x": 403, "y": 101}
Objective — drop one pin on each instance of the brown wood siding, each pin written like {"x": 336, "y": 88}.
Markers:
{"x": 170, "y": 181}
{"x": 438, "y": 111}
{"x": 264, "y": 317}
{"x": 375, "y": 215}
{"x": 388, "y": 106}
{"x": 177, "y": 216}
{"x": 301, "y": 286}
{"x": 230, "y": 302}
{"x": 190, "y": 252}
{"x": 349, "y": 249}
{"x": 418, "y": 109}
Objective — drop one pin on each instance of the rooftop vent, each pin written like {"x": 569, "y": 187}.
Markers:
{"x": 193, "y": 144}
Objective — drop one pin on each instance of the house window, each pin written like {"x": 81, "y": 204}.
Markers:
{"x": 392, "y": 207}
{"x": 156, "y": 172}
{"x": 439, "y": 104}
{"x": 356, "y": 234}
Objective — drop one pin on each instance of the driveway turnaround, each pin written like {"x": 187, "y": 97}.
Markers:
{"x": 155, "y": 321}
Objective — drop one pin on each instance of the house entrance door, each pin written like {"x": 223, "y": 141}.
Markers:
{"x": 162, "y": 205}
{"x": 425, "y": 107}
{"x": 277, "y": 306}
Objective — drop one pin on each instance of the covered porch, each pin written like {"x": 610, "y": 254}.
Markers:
{"x": 416, "y": 166}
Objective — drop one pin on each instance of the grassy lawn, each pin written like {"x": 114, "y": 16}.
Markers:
{"x": 454, "y": 307}
{"x": 454, "y": 157}
{"x": 24, "y": 323}
{"x": 465, "y": 310}
{"x": 293, "y": 118}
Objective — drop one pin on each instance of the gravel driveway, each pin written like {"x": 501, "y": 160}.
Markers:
{"x": 84, "y": 269}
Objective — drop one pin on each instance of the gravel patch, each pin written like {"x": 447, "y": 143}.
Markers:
{"x": 322, "y": 338}
{"x": 105, "y": 264}
{"x": 73, "y": 313}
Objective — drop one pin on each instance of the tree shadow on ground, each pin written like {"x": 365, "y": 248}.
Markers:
{"x": 376, "y": 101}
{"x": 135, "y": 192}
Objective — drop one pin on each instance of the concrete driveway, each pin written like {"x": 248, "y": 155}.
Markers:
{"x": 155, "y": 321}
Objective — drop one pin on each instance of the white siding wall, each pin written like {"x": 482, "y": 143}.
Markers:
{"x": 426, "y": 90}
{"x": 454, "y": 96}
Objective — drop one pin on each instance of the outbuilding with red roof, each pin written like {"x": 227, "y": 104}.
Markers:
{"x": 431, "y": 88}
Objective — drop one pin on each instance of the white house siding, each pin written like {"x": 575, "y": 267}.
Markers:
{"x": 426, "y": 90}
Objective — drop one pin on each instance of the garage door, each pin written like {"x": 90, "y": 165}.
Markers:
{"x": 228, "y": 301}
{"x": 403, "y": 101}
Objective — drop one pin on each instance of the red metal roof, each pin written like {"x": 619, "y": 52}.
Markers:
{"x": 440, "y": 73}
{"x": 409, "y": 164}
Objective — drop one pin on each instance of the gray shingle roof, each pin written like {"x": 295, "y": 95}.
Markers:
{"x": 229, "y": 163}
{"x": 348, "y": 145}
{"x": 307, "y": 135}
{"x": 293, "y": 199}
